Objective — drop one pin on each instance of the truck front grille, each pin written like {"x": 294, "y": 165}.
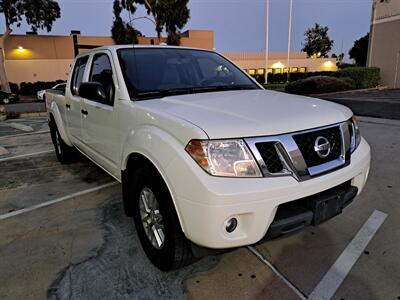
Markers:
{"x": 303, "y": 154}
{"x": 306, "y": 142}
{"x": 270, "y": 156}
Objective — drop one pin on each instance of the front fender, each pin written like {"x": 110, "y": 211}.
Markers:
{"x": 160, "y": 148}
{"x": 55, "y": 112}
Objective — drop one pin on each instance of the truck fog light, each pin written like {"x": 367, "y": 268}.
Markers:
{"x": 231, "y": 225}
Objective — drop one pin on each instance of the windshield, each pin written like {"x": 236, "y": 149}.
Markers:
{"x": 153, "y": 73}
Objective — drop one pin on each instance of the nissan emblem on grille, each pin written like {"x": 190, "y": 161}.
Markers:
{"x": 322, "y": 147}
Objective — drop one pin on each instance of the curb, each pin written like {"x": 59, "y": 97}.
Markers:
{"x": 350, "y": 91}
{"x": 381, "y": 121}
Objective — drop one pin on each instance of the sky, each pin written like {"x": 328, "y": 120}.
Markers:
{"x": 239, "y": 25}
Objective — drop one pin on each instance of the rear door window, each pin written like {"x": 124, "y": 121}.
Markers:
{"x": 77, "y": 75}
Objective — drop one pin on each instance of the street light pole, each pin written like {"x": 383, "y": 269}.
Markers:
{"x": 266, "y": 42}
{"x": 289, "y": 39}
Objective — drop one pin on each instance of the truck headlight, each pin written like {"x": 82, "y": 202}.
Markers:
{"x": 355, "y": 134}
{"x": 229, "y": 158}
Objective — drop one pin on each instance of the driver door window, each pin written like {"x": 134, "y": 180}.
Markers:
{"x": 101, "y": 72}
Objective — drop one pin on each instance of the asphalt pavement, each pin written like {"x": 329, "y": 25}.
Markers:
{"x": 64, "y": 235}
{"x": 373, "y": 103}
{"x": 25, "y": 107}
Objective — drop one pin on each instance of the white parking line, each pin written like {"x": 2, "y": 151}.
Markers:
{"x": 277, "y": 273}
{"x": 25, "y": 155}
{"x": 44, "y": 204}
{"x": 21, "y": 127}
{"x": 329, "y": 284}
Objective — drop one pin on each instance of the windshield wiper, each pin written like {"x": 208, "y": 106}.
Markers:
{"x": 163, "y": 93}
{"x": 191, "y": 90}
{"x": 223, "y": 88}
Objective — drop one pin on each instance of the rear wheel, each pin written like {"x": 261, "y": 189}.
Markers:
{"x": 157, "y": 223}
{"x": 65, "y": 154}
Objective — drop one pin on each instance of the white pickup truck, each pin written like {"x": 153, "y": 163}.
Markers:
{"x": 207, "y": 158}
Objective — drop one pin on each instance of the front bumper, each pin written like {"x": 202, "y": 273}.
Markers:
{"x": 204, "y": 203}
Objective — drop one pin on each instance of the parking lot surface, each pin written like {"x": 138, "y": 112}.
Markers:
{"x": 373, "y": 103}
{"x": 65, "y": 236}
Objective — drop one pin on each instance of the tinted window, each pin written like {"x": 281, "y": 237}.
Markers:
{"x": 77, "y": 75}
{"x": 152, "y": 70}
{"x": 60, "y": 87}
{"x": 102, "y": 72}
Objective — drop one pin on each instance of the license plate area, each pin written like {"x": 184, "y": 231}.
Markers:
{"x": 326, "y": 208}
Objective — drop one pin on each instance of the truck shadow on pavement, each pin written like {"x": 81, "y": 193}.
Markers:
{"x": 120, "y": 269}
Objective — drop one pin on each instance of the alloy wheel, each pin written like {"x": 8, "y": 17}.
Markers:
{"x": 151, "y": 217}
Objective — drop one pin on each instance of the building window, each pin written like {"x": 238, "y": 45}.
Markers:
{"x": 252, "y": 71}
{"x": 302, "y": 69}
{"x": 260, "y": 71}
{"x": 270, "y": 71}
{"x": 294, "y": 70}
{"x": 277, "y": 71}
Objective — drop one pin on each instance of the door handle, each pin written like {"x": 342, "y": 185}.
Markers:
{"x": 68, "y": 106}
{"x": 84, "y": 112}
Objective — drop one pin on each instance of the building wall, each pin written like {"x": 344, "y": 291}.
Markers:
{"x": 384, "y": 48}
{"x": 31, "y": 58}
{"x": 278, "y": 61}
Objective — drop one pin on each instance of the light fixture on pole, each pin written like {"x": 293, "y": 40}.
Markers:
{"x": 289, "y": 39}
{"x": 266, "y": 42}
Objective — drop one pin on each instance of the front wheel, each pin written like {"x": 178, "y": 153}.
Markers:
{"x": 157, "y": 223}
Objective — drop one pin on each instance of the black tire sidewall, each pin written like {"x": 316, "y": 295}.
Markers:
{"x": 63, "y": 151}
{"x": 164, "y": 257}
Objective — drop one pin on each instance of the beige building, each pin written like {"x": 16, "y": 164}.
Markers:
{"x": 31, "y": 58}
{"x": 255, "y": 62}
{"x": 384, "y": 46}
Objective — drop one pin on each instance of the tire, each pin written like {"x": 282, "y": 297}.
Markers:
{"x": 65, "y": 154}
{"x": 175, "y": 251}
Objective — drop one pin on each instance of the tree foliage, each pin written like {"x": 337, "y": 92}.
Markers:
{"x": 123, "y": 33}
{"x": 168, "y": 15}
{"x": 175, "y": 15}
{"x": 359, "y": 52}
{"x": 39, "y": 14}
{"x": 317, "y": 42}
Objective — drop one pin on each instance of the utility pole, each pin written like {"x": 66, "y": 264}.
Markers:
{"x": 289, "y": 39}
{"x": 266, "y": 42}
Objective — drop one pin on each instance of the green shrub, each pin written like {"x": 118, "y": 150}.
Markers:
{"x": 14, "y": 88}
{"x": 282, "y": 77}
{"x": 31, "y": 88}
{"x": 363, "y": 77}
{"x": 274, "y": 86}
{"x": 319, "y": 85}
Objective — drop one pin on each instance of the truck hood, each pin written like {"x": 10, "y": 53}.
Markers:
{"x": 250, "y": 113}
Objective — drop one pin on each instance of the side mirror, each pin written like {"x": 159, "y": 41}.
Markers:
{"x": 93, "y": 91}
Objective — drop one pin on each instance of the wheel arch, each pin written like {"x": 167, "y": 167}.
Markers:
{"x": 55, "y": 116}
{"x": 133, "y": 162}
